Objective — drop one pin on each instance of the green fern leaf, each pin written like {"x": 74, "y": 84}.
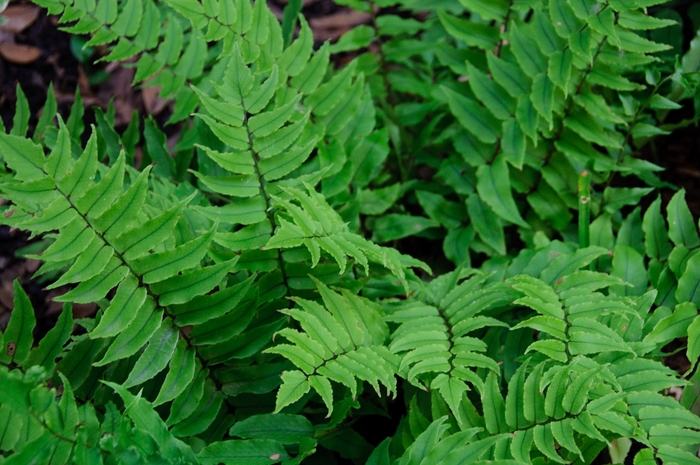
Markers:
{"x": 514, "y": 406}
{"x": 204, "y": 414}
{"x": 492, "y": 185}
{"x": 239, "y": 452}
{"x": 18, "y": 337}
{"x": 588, "y": 336}
{"x": 58, "y": 161}
{"x": 135, "y": 336}
{"x": 181, "y": 372}
{"x": 24, "y": 157}
{"x": 91, "y": 262}
{"x": 20, "y": 120}
{"x": 493, "y": 405}
{"x": 75, "y": 239}
{"x": 544, "y": 440}
{"x": 97, "y": 287}
{"x": 223, "y": 328}
{"x": 127, "y": 301}
{"x": 182, "y": 288}
{"x": 312, "y": 74}
{"x": 526, "y": 52}
{"x": 472, "y": 117}
{"x": 159, "y": 266}
{"x": 236, "y": 162}
{"x": 521, "y": 445}
{"x": 156, "y": 355}
{"x": 681, "y": 228}
{"x": 675, "y": 325}
{"x": 275, "y": 168}
{"x": 258, "y": 99}
{"x": 207, "y": 307}
{"x": 294, "y": 385}
{"x": 52, "y": 344}
{"x": 188, "y": 400}
{"x": 577, "y": 395}
{"x": 230, "y": 111}
{"x": 137, "y": 240}
{"x": 491, "y": 95}
{"x": 471, "y": 452}
{"x": 545, "y": 34}
{"x": 472, "y": 33}
{"x": 142, "y": 414}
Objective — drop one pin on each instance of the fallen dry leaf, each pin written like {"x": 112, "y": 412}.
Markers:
{"x": 675, "y": 392}
{"x": 19, "y": 18}
{"x": 334, "y": 26}
{"x": 341, "y": 19}
{"x": 84, "y": 83}
{"x": 7, "y": 295}
{"x": 31, "y": 265}
{"x": 84, "y": 310}
{"x": 118, "y": 89}
{"x": 19, "y": 53}
{"x": 151, "y": 102}
{"x": 276, "y": 10}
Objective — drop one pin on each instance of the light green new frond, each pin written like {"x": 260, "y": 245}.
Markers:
{"x": 141, "y": 412}
{"x": 55, "y": 424}
{"x": 317, "y": 226}
{"x": 440, "y": 444}
{"x": 567, "y": 392}
{"x": 578, "y": 324}
{"x": 335, "y": 345}
{"x": 433, "y": 339}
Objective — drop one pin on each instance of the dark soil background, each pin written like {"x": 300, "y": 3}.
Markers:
{"x": 57, "y": 64}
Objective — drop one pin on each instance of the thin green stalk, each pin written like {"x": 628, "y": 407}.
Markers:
{"x": 584, "y": 209}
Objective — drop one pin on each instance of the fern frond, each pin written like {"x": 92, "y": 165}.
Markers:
{"x": 530, "y": 110}
{"x": 342, "y": 341}
{"x": 580, "y": 394}
{"x": 433, "y": 338}
{"x": 54, "y": 426}
{"x": 318, "y": 227}
{"x": 107, "y": 240}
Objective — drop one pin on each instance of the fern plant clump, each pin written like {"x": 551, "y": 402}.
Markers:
{"x": 249, "y": 308}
